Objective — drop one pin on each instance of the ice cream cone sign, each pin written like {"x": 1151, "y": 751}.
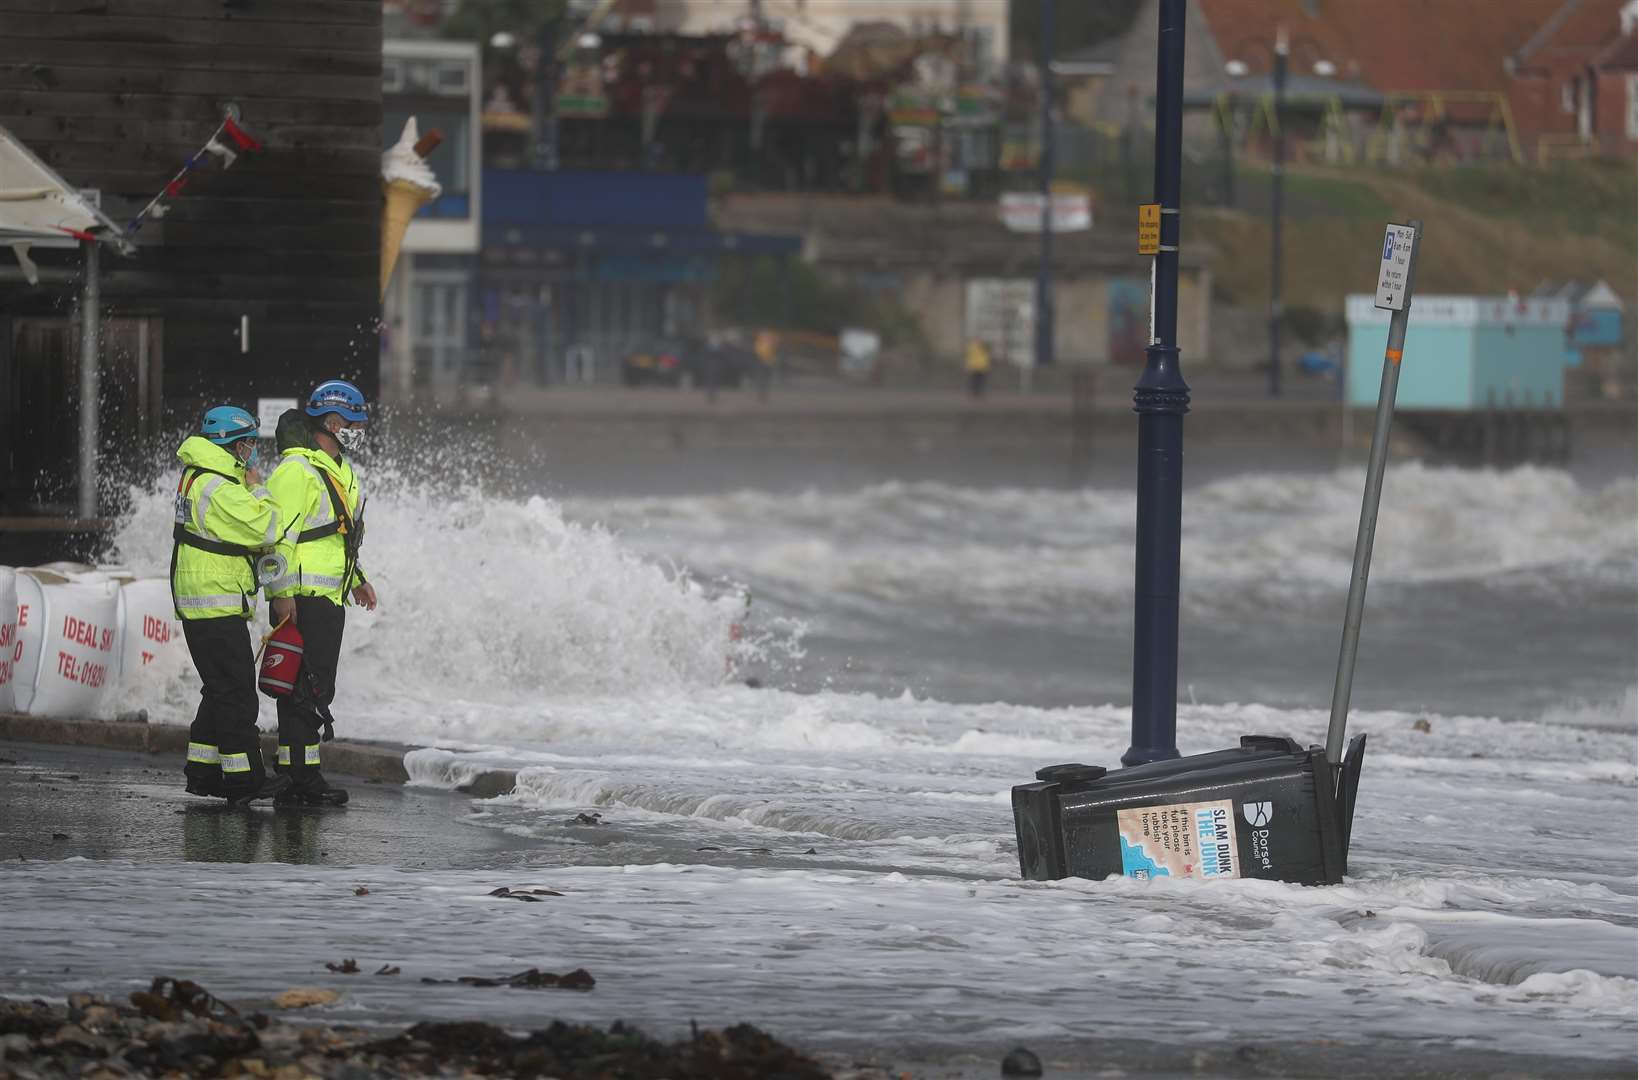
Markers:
{"x": 409, "y": 185}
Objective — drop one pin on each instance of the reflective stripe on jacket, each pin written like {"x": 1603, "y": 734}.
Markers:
{"x": 206, "y": 584}
{"x": 299, "y": 488}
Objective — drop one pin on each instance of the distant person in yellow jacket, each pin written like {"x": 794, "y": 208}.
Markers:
{"x": 978, "y": 366}
{"x": 766, "y": 347}
{"x": 315, "y": 570}
{"x": 224, "y": 520}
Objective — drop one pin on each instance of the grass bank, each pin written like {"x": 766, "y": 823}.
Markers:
{"x": 1489, "y": 229}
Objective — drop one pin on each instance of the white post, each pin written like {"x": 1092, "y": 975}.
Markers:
{"x": 1366, "y": 537}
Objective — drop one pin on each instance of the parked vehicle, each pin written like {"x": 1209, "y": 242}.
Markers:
{"x": 687, "y": 362}
{"x": 658, "y": 362}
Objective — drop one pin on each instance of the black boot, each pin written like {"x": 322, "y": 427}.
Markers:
{"x": 269, "y": 787}
{"x": 312, "y": 790}
{"x": 208, "y": 786}
{"x": 203, "y": 777}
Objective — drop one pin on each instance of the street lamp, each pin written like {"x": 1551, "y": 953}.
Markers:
{"x": 870, "y": 107}
{"x": 1276, "y": 298}
{"x": 1161, "y": 398}
{"x": 1276, "y": 291}
{"x": 1043, "y": 278}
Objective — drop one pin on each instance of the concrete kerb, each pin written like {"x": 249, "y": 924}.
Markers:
{"x": 368, "y": 760}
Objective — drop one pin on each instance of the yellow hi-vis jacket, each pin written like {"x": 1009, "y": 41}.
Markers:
{"x": 221, "y": 526}
{"x": 309, "y": 487}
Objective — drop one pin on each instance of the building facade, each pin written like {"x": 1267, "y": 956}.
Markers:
{"x": 427, "y": 314}
{"x": 260, "y": 281}
{"x": 1531, "y": 80}
{"x": 819, "y": 26}
{"x": 1574, "y": 82}
{"x": 580, "y": 269}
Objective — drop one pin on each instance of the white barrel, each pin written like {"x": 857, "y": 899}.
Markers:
{"x": 152, "y": 634}
{"x": 10, "y": 648}
{"x": 31, "y": 619}
{"x": 74, "y": 642}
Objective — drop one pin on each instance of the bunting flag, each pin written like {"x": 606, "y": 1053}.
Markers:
{"x": 225, "y": 144}
{"x": 241, "y": 138}
{"x": 228, "y": 156}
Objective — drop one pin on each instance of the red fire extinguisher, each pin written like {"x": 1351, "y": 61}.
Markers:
{"x": 282, "y": 675}
{"x": 281, "y": 660}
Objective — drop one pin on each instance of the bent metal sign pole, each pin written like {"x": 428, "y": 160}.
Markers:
{"x": 1395, "y": 281}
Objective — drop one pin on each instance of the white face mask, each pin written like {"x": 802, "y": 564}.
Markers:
{"x": 350, "y": 438}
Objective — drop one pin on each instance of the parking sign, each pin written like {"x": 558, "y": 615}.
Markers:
{"x": 1394, "y": 275}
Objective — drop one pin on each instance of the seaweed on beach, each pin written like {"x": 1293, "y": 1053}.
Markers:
{"x": 171, "y": 999}
{"x": 574, "y": 1052}
{"x": 176, "y": 1027}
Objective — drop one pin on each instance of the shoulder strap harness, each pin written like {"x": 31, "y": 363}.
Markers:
{"x": 350, "y": 527}
{"x": 343, "y": 521}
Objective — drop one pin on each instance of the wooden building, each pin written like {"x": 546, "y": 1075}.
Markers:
{"x": 115, "y": 95}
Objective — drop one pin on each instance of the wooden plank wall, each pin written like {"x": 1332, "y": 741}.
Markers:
{"x": 115, "y": 94}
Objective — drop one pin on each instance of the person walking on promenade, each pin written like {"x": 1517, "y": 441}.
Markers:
{"x": 978, "y": 367}
{"x": 766, "y": 347}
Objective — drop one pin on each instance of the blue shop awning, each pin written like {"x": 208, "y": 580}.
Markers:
{"x": 626, "y": 241}
{"x": 587, "y": 223}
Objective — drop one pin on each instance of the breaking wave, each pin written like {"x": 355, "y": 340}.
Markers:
{"x": 1249, "y": 539}
{"x": 486, "y": 597}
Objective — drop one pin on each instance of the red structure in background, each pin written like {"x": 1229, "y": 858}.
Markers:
{"x": 1575, "y": 82}
{"x": 1564, "y": 68}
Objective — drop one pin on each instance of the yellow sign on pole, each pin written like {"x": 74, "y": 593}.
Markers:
{"x": 1149, "y": 229}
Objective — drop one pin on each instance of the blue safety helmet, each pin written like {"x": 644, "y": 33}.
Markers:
{"x": 341, "y": 397}
{"x": 227, "y": 424}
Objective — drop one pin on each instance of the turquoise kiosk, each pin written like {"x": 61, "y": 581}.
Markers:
{"x": 1473, "y": 353}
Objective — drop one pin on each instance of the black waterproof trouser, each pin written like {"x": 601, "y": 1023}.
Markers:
{"x": 321, "y": 623}
{"x": 225, "y": 750}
